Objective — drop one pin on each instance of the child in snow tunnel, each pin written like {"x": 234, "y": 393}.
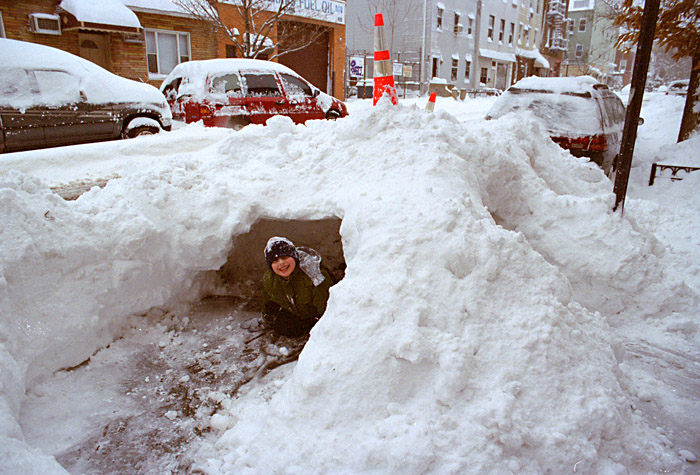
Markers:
{"x": 295, "y": 288}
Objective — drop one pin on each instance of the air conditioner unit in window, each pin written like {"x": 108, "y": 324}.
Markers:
{"x": 45, "y": 23}
{"x": 458, "y": 28}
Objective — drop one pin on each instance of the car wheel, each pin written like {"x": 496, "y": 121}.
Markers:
{"x": 140, "y": 130}
{"x": 237, "y": 122}
{"x": 332, "y": 114}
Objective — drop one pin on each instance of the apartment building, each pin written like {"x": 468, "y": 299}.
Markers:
{"x": 592, "y": 37}
{"x": 467, "y": 45}
{"x": 530, "y": 61}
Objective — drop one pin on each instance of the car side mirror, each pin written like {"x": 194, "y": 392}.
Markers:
{"x": 316, "y": 92}
{"x": 640, "y": 121}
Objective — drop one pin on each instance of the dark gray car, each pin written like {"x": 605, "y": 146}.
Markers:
{"x": 49, "y": 97}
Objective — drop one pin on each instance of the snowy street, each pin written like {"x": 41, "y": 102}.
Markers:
{"x": 495, "y": 316}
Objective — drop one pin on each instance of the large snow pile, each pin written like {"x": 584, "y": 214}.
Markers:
{"x": 466, "y": 336}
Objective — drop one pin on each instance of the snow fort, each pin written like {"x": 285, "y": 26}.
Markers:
{"x": 469, "y": 334}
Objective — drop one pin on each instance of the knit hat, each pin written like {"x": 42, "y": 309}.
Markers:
{"x": 280, "y": 247}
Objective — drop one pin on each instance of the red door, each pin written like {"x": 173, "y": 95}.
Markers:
{"x": 303, "y": 104}
{"x": 263, "y": 96}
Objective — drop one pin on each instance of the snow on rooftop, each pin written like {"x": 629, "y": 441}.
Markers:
{"x": 109, "y": 12}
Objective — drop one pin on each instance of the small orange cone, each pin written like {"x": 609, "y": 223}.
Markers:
{"x": 383, "y": 70}
{"x": 430, "y": 106}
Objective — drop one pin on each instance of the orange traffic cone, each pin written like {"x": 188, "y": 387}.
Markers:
{"x": 430, "y": 106}
{"x": 383, "y": 71}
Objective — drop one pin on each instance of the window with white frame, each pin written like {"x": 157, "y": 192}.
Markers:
{"x": 2, "y": 27}
{"x": 501, "y": 31}
{"x": 582, "y": 24}
{"x": 467, "y": 70}
{"x": 571, "y": 26}
{"x": 458, "y": 25}
{"x": 534, "y": 39}
{"x": 527, "y": 36}
{"x": 455, "y": 68}
{"x": 520, "y": 34}
{"x": 579, "y": 50}
{"x": 511, "y": 34}
{"x": 492, "y": 22}
{"x": 470, "y": 26}
{"x": 440, "y": 11}
{"x": 165, "y": 50}
{"x": 484, "y": 77}
{"x": 623, "y": 65}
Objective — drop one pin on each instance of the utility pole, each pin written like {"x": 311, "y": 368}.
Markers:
{"x": 639, "y": 80}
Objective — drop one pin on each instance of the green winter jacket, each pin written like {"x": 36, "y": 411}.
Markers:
{"x": 296, "y": 294}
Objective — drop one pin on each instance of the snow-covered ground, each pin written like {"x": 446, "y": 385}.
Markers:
{"x": 495, "y": 316}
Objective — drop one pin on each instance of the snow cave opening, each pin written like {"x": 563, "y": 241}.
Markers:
{"x": 241, "y": 275}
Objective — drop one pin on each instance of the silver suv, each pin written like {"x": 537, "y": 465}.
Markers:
{"x": 49, "y": 97}
{"x": 580, "y": 114}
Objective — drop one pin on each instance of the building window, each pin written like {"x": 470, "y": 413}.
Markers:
{"x": 571, "y": 26}
{"x": 467, "y": 70}
{"x": 520, "y": 34}
{"x": 527, "y": 36}
{"x": 165, "y": 50}
{"x": 455, "y": 68}
{"x": 579, "y": 51}
{"x": 2, "y": 27}
{"x": 230, "y": 51}
{"x": 440, "y": 11}
{"x": 484, "y": 75}
{"x": 623, "y": 65}
{"x": 534, "y": 39}
{"x": 436, "y": 67}
{"x": 470, "y": 26}
{"x": 511, "y": 34}
{"x": 501, "y": 31}
{"x": 458, "y": 25}
{"x": 582, "y": 24}
{"x": 492, "y": 22}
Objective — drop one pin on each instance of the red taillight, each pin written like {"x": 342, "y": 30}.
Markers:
{"x": 596, "y": 143}
{"x": 205, "y": 111}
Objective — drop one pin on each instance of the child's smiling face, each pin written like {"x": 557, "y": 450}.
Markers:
{"x": 284, "y": 266}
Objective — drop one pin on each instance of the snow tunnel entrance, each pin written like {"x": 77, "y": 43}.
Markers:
{"x": 242, "y": 274}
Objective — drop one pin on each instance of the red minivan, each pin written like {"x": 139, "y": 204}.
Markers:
{"x": 237, "y": 92}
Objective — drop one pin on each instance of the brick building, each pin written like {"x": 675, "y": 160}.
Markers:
{"x": 145, "y": 39}
{"x": 138, "y": 42}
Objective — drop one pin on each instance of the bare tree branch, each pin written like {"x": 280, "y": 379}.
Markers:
{"x": 263, "y": 31}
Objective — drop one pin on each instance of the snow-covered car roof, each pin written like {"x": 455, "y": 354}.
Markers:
{"x": 208, "y": 67}
{"x": 98, "y": 84}
{"x": 559, "y": 85}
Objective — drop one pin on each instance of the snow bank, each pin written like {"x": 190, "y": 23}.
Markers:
{"x": 465, "y": 336}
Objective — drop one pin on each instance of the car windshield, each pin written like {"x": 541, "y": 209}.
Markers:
{"x": 562, "y": 114}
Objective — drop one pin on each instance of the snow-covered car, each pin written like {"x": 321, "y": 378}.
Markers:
{"x": 580, "y": 114}
{"x": 237, "y": 92}
{"x": 678, "y": 88}
{"x": 49, "y": 97}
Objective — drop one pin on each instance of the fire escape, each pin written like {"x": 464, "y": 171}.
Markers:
{"x": 557, "y": 26}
